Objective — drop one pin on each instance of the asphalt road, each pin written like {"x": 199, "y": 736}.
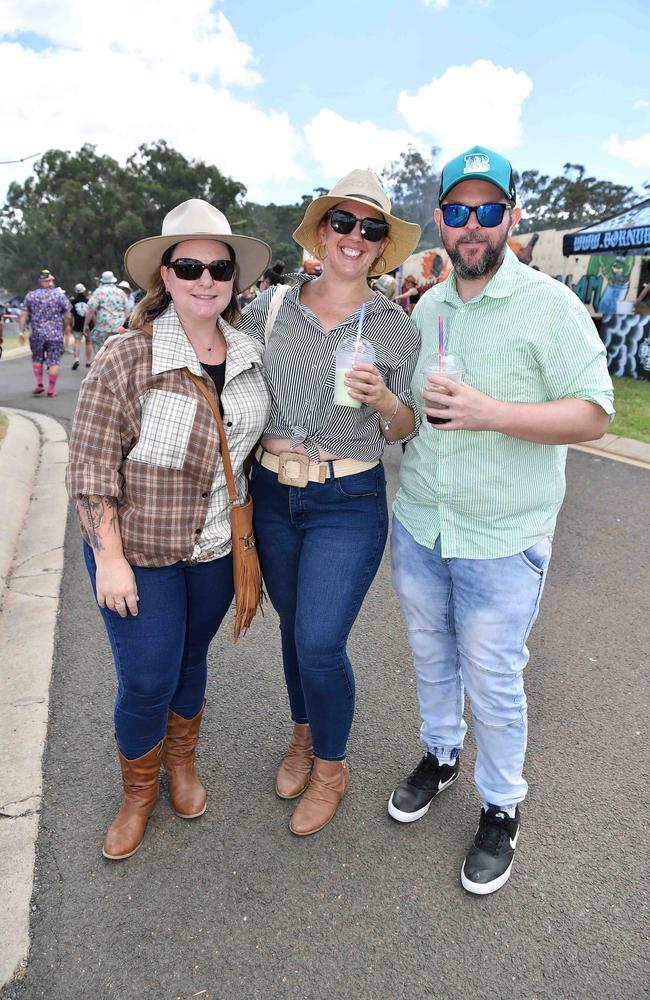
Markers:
{"x": 232, "y": 906}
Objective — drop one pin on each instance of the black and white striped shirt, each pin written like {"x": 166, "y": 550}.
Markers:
{"x": 300, "y": 367}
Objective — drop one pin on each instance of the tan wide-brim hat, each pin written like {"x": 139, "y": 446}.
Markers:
{"x": 365, "y": 187}
{"x": 196, "y": 220}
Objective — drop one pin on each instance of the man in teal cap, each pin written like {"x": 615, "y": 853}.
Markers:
{"x": 480, "y": 493}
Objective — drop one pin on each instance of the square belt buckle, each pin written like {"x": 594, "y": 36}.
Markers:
{"x": 293, "y": 469}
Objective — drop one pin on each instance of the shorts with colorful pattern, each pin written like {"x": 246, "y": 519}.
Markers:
{"x": 46, "y": 350}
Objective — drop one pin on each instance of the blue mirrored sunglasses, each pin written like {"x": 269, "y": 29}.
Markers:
{"x": 488, "y": 215}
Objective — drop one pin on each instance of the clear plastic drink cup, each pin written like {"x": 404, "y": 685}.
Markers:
{"x": 348, "y": 352}
{"x": 448, "y": 365}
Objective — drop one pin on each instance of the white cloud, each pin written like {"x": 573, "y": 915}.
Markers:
{"x": 640, "y": 105}
{"x": 438, "y": 4}
{"x": 634, "y": 151}
{"x": 135, "y": 77}
{"x": 179, "y": 37}
{"x": 481, "y": 103}
{"x": 340, "y": 145}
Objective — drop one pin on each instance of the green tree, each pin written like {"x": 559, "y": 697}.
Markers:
{"x": 78, "y": 212}
{"x": 413, "y": 183}
{"x": 275, "y": 224}
{"x": 568, "y": 201}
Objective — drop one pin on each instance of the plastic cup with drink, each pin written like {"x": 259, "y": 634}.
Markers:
{"x": 351, "y": 351}
{"x": 441, "y": 363}
{"x": 449, "y": 366}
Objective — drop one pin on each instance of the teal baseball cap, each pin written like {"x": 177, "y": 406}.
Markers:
{"x": 481, "y": 163}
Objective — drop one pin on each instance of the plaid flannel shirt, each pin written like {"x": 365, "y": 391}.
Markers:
{"x": 145, "y": 434}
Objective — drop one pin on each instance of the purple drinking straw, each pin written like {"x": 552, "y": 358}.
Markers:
{"x": 441, "y": 341}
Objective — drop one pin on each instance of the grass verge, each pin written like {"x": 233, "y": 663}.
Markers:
{"x": 632, "y": 402}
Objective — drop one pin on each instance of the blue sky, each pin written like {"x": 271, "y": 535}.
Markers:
{"x": 288, "y": 96}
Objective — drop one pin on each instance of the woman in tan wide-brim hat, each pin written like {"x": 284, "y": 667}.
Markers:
{"x": 152, "y": 498}
{"x": 318, "y": 482}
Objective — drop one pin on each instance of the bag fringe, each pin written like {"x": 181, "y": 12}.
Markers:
{"x": 249, "y": 590}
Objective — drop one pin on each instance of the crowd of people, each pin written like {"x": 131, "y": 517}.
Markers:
{"x": 220, "y": 344}
{"x": 55, "y": 319}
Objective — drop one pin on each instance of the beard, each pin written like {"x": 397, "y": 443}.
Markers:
{"x": 489, "y": 261}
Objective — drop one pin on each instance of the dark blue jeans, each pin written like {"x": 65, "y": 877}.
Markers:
{"x": 161, "y": 654}
{"x": 320, "y": 548}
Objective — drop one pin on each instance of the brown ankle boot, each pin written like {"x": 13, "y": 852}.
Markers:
{"x": 141, "y": 781}
{"x": 293, "y": 775}
{"x": 188, "y": 796}
{"x": 329, "y": 783}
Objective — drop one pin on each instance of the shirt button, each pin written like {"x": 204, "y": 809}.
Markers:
{"x": 228, "y": 423}
{"x": 198, "y": 531}
{"x": 205, "y": 495}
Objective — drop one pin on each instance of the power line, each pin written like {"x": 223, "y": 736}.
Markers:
{"x": 22, "y": 160}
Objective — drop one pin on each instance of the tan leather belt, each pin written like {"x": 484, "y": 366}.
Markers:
{"x": 292, "y": 469}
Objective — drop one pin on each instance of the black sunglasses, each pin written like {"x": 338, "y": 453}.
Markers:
{"x": 188, "y": 269}
{"x": 488, "y": 215}
{"x": 372, "y": 230}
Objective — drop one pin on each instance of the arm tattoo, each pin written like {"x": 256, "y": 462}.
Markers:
{"x": 97, "y": 508}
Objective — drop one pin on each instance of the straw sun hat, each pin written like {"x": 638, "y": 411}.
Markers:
{"x": 196, "y": 220}
{"x": 365, "y": 187}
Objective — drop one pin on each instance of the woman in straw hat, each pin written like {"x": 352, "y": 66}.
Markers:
{"x": 152, "y": 499}
{"x": 318, "y": 483}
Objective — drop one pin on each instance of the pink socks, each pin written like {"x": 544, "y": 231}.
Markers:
{"x": 51, "y": 383}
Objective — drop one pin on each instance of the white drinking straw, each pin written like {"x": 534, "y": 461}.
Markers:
{"x": 362, "y": 313}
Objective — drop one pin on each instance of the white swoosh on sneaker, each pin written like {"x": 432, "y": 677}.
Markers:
{"x": 443, "y": 784}
{"x": 513, "y": 841}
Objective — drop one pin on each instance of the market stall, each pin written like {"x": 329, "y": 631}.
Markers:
{"x": 615, "y": 243}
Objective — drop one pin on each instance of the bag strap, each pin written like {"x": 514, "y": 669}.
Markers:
{"x": 223, "y": 442}
{"x": 225, "y": 454}
{"x": 277, "y": 299}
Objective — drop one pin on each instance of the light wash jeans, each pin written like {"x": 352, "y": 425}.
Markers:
{"x": 468, "y": 621}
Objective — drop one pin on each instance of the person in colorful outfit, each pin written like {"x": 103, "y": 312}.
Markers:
{"x": 107, "y": 310}
{"x": 479, "y": 497}
{"x": 321, "y": 518}
{"x": 152, "y": 499}
{"x": 49, "y": 314}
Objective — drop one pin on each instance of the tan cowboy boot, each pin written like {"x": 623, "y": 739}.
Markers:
{"x": 188, "y": 796}
{"x": 141, "y": 781}
{"x": 329, "y": 783}
{"x": 294, "y": 771}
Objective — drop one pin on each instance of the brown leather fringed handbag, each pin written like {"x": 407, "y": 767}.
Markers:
{"x": 249, "y": 593}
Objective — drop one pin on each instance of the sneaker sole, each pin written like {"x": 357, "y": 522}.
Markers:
{"x": 485, "y": 888}
{"x": 404, "y": 817}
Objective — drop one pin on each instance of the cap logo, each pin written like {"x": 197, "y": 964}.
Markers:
{"x": 477, "y": 163}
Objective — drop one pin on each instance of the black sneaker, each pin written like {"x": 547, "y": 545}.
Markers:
{"x": 75, "y": 364}
{"x": 412, "y": 798}
{"x": 488, "y": 863}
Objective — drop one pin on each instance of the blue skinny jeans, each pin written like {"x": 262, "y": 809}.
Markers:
{"x": 320, "y": 548}
{"x": 161, "y": 654}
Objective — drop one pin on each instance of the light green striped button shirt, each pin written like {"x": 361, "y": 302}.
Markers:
{"x": 526, "y": 338}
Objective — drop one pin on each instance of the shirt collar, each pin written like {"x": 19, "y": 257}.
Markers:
{"x": 379, "y": 303}
{"x": 500, "y": 286}
{"x": 171, "y": 349}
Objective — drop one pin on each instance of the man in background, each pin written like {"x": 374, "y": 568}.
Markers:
{"x": 79, "y": 309}
{"x": 49, "y": 314}
{"x": 107, "y": 309}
